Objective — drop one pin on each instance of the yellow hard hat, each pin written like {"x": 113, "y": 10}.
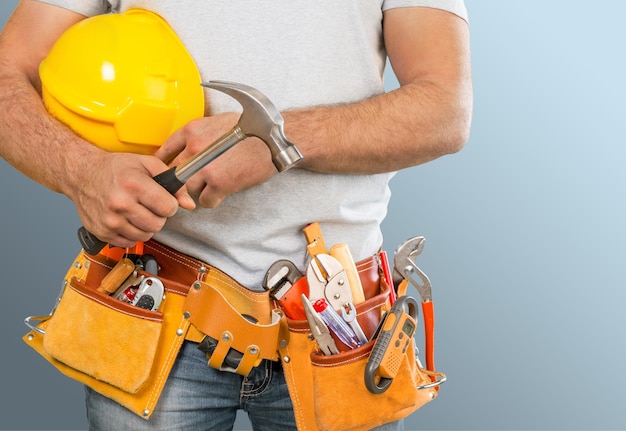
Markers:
{"x": 124, "y": 82}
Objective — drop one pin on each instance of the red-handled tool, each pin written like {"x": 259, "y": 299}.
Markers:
{"x": 405, "y": 268}
{"x": 384, "y": 263}
{"x": 286, "y": 286}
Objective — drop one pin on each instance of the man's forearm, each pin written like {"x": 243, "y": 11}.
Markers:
{"x": 414, "y": 124}
{"x": 113, "y": 192}
{"x": 35, "y": 143}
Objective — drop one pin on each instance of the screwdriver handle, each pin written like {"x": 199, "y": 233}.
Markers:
{"x": 167, "y": 179}
{"x": 120, "y": 272}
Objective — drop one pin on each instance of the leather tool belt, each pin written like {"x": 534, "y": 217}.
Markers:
{"x": 125, "y": 352}
{"x": 94, "y": 338}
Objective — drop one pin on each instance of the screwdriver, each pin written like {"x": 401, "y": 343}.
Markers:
{"x": 336, "y": 323}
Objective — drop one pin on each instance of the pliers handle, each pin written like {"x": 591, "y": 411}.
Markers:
{"x": 320, "y": 331}
{"x": 405, "y": 270}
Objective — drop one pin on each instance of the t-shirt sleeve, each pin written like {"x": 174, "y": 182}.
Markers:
{"x": 83, "y": 7}
{"x": 456, "y": 7}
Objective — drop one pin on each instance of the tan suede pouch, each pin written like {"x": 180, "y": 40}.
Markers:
{"x": 110, "y": 340}
{"x": 338, "y": 386}
{"x": 329, "y": 392}
{"x": 121, "y": 351}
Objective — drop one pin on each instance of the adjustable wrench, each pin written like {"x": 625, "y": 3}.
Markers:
{"x": 285, "y": 284}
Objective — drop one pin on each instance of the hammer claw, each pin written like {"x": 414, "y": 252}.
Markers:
{"x": 262, "y": 119}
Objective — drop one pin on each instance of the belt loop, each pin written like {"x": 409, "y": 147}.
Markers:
{"x": 223, "y": 346}
{"x": 249, "y": 360}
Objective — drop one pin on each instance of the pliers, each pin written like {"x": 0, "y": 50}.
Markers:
{"x": 320, "y": 331}
{"x": 327, "y": 279}
{"x": 406, "y": 269}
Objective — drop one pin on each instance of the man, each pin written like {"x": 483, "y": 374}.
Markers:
{"x": 321, "y": 64}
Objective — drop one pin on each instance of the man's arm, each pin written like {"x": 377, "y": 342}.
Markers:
{"x": 114, "y": 194}
{"x": 25, "y": 40}
{"x": 427, "y": 117}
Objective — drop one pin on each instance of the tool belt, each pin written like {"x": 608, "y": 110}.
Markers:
{"x": 126, "y": 352}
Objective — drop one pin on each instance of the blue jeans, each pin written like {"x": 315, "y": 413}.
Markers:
{"x": 197, "y": 397}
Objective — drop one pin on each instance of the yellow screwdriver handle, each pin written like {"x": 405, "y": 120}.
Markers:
{"x": 120, "y": 272}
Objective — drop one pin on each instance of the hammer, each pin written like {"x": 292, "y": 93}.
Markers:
{"x": 259, "y": 118}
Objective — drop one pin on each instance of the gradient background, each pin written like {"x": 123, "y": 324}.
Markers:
{"x": 524, "y": 237}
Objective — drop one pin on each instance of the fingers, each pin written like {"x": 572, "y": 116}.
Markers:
{"x": 178, "y": 149}
{"x": 242, "y": 167}
{"x": 208, "y": 194}
{"x": 122, "y": 204}
{"x": 194, "y": 137}
{"x": 172, "y": 147}
{"x": 127, "y": 219}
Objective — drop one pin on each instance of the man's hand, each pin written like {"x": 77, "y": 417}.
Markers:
{"x": 119, "y": 202}
{"x": 245, "y": 165}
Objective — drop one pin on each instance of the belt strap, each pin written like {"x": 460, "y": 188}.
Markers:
{"x": 185, "y": 270}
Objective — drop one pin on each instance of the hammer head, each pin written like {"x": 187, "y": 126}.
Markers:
{"x": 262, "y": 119}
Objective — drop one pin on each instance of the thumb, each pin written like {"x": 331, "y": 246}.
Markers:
{"x": 185, "y": 200}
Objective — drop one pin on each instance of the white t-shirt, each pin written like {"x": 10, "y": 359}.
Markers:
{"x": 299, "y": 54}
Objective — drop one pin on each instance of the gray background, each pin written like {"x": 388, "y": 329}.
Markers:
{"x": 525, "y": 237}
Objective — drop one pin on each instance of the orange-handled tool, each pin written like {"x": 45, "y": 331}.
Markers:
{"x": 405, "y": 268}
{"x": 315, "y": 239}
{"x": 120, "y": 272}
{"x": 428, "y": 311}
